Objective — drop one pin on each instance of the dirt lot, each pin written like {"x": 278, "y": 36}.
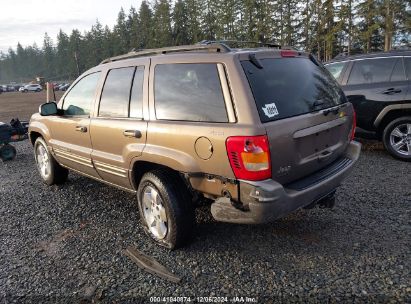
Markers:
{"x": 21, "y": 105}
{"x": 64, "y": 244}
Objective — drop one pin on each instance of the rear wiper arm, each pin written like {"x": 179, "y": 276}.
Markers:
{"x": 317, "y": 103}
{"x": 255, "y": 61}
{"x": 334, "y": 110}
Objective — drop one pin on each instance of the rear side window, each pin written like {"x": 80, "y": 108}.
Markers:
{"x": 115, "y": 97}
{"x": 287, "y": 87}
{"x": 190, "y": 92}
{"x": 136, "y": 101}
{"x": 371, "y": 71}
{"x": 80, "y": 98}
{"x": 335, "y": 69}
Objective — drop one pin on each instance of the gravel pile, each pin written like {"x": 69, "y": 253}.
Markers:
{"x": 65, "y": 244}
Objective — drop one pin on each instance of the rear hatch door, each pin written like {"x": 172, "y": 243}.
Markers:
{"x": 305, "y": 113}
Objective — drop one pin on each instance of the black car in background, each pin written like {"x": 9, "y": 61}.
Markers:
{"x": 379, "y": 87}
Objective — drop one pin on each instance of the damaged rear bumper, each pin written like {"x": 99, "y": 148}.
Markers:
{"x": 267, "y": 200}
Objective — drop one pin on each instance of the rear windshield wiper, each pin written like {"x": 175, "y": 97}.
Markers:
{"x": 317, "y": 103}
{"x": 334, "y": 110}
{"x": 255, "y": 61}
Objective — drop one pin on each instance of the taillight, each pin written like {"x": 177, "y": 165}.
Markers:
{"x": 249, "y": 157}
{"x": 354, "y": 125}
{"x": 288, "y": 53}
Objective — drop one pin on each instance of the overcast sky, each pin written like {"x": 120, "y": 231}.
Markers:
{"x": 26, "y": 21}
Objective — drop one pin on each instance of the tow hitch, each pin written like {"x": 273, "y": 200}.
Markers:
{"x": 327, "y": 201}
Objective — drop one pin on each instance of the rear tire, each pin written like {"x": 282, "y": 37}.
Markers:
{"x": 397, "y": 138}
{"x": 165, "y": 207}
{"x": 50, "y": 171}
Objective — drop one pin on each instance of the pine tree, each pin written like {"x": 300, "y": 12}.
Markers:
{"x": 324, "y": 27}
{"x": 194, "y": 8}
{"x": 145, "y": 26}
{"x": 227, "y": 11}
{"x": 209, "y": 25}
{"x": 180, "y": 28}
{"x": 264, "y": 21}
{"x": 77, "y": 53}
{"x": 122, "y": 34}
{"x": 49, "y": 58}
{"x": 162, "y": 35}
{"x": 247, "y": 23}
{"x": 370, "y": 32}
{"x": 329, "y": 30}
{"x": 133, "y": 28}
{"x": 62, "y": 55}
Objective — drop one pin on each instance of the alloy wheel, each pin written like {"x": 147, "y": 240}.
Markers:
{"x": 43, "y": 161}
{"x": 400, "y": 139}
{"x": 154, "y": 212}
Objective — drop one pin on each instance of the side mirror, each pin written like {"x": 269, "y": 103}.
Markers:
{"x": 47, "y": 109}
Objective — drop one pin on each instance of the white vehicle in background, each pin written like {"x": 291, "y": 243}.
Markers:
{"x": 31, "y": 88}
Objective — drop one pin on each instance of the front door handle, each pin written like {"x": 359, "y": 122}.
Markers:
{"x": 132, "y": 133}
{"x": 391, "y": 91}
{"x": 82, "y": 129}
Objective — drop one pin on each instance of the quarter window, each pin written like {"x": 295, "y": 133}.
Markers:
{"x": 398, "y": 73}
{"x": 371, "y": 70}
{"x": 335, "y": 69}
{"x": 80, "y": 98}
{"x": 407, "y": 62}
{"x": 190, "y": 92}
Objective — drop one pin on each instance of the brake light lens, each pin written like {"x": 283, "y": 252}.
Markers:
{"x": 288, "y": 53}
{"x": 354, "y": 125}
{"x": 249, "y": 157}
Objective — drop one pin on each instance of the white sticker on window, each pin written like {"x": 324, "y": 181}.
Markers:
{"x": 270, "y": 110}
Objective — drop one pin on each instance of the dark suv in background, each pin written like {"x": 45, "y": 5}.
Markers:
{"x": 379, "y": 87}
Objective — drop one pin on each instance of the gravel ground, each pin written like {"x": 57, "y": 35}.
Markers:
{"x": 65, "y": 244}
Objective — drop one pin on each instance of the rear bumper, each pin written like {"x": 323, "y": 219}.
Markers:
{"x": 268, "y": 200}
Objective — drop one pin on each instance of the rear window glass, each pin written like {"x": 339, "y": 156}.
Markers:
{"x": 288, "y": 87}
{"x": 190, "y": 92}
{"x": 371, "y": 70}
{"x": 136, "y": 101}
{"x": 116, "y": 93}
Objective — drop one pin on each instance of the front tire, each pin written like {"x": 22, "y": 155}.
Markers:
{"x": 50, "y": 171}
{"x": 165, "y": 208}
{"x": 397, "y": 138}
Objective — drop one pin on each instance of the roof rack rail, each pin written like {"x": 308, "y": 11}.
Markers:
{"x": 212, "y": 47}
{"x": 240, "y": 42}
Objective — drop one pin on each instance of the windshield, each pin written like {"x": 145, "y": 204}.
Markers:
{"x": 286, "y": 87}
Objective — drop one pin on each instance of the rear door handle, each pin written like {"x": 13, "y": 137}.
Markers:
{"x": 132, "y": 133}
{"x": 391, "y": 91}
{"x": 81, "y": 129}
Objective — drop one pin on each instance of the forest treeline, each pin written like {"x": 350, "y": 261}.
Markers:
{"x": 323, "y": 27}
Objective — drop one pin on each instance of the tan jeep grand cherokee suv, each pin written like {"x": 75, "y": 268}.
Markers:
{"x": 256, "y": 132}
